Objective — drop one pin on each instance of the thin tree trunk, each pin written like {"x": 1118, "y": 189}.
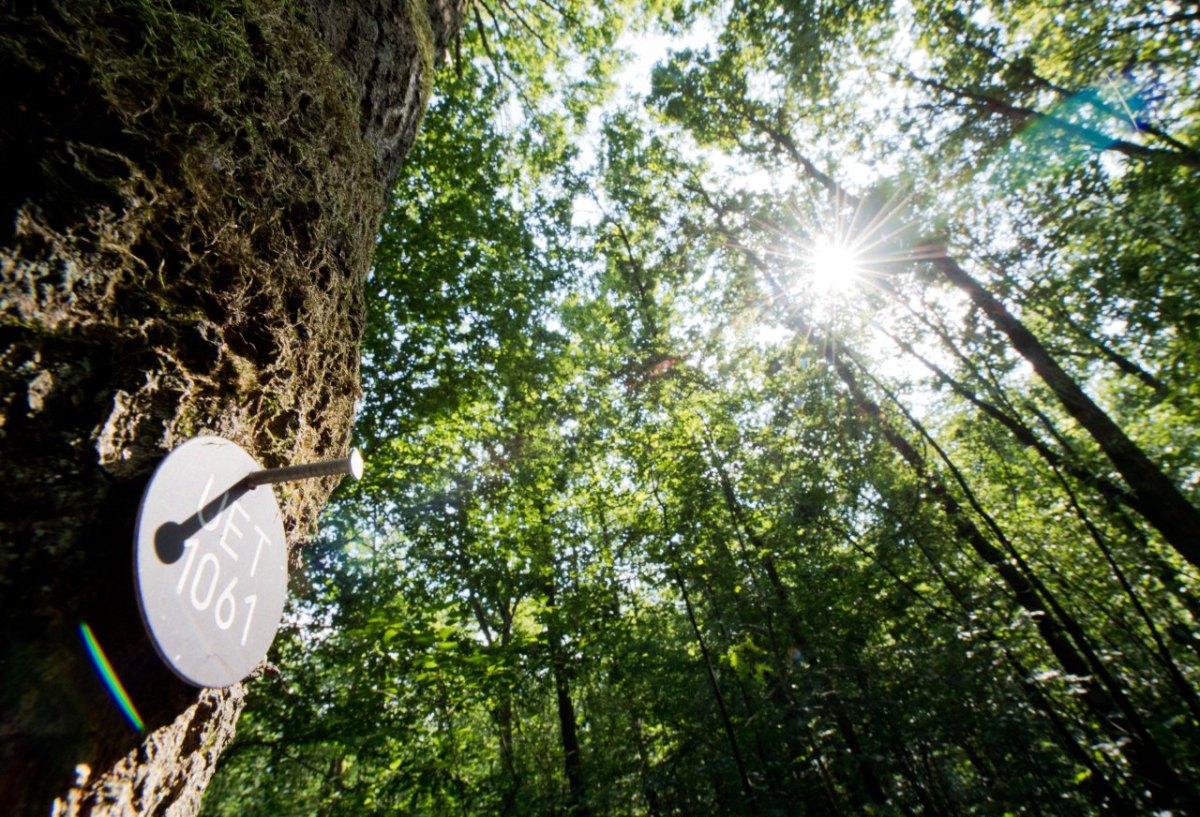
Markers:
{"x": 1167, "y": 573}
{"x": 567, "y": 722}
{"x": 1141, "y": 750}
{"x": 1109, "y": 703}
{"x": 1019, "y": 430}
{"x": 866, "y": 769}
{"x": 1163, "y": 505}
{"x": 1182, "y": 686}
{"x": 1122, "y": 362}
{"x": 1179, "y": 154}
{"x": 1105, "y": 794}
{"x": 649, "y": 791}
{"x": 718, "y": 696}
{"x": 1110, "y": 492}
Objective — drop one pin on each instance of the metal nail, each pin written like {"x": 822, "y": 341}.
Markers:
{"x": 351, "y": 465}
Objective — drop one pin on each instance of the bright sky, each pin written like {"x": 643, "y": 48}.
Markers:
{"x": 828, "y": 272}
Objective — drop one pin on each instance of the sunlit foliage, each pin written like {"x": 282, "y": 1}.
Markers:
{"x": 815, "y": 436}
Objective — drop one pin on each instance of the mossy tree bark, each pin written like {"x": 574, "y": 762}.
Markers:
{"x": 190, "y": 200}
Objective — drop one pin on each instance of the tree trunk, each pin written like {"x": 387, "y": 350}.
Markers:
{"x": 568, "y": 724}
{"x": 868, "y": 777}
{"x": 189, "y": 206}
{"x": 1062, "y": 634}
{"x": 1161, "y": 502}
{"x": 1059, "y": 631}
{"x": 719, "y": 697}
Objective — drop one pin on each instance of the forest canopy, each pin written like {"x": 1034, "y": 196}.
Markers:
{"x": 771, "y": 408}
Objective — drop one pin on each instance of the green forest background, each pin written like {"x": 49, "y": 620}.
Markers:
{"x": 662, "y": 519}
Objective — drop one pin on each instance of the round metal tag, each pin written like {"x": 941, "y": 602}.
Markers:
{"x": 210, "y": 563}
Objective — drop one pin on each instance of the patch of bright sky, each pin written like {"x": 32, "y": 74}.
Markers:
{"x": 874, "y": 102}
{"x": 644, "y": 49}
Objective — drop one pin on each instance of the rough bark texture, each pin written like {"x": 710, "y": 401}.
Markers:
{"x": 187, "y": 216}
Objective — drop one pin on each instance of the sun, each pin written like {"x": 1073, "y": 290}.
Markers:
{"x": 834, "y": 266}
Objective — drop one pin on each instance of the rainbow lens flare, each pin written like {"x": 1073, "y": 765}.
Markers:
{"x": 115, "y": 688}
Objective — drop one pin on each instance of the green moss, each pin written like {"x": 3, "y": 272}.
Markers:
{"x": 218, "y": 178}
{"x": 418, "y": 16}
{"x": 191, "y": 207}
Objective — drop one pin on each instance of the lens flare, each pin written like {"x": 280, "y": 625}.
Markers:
{"x": 835, "y": 266}
{"x": 109, "y": 676}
